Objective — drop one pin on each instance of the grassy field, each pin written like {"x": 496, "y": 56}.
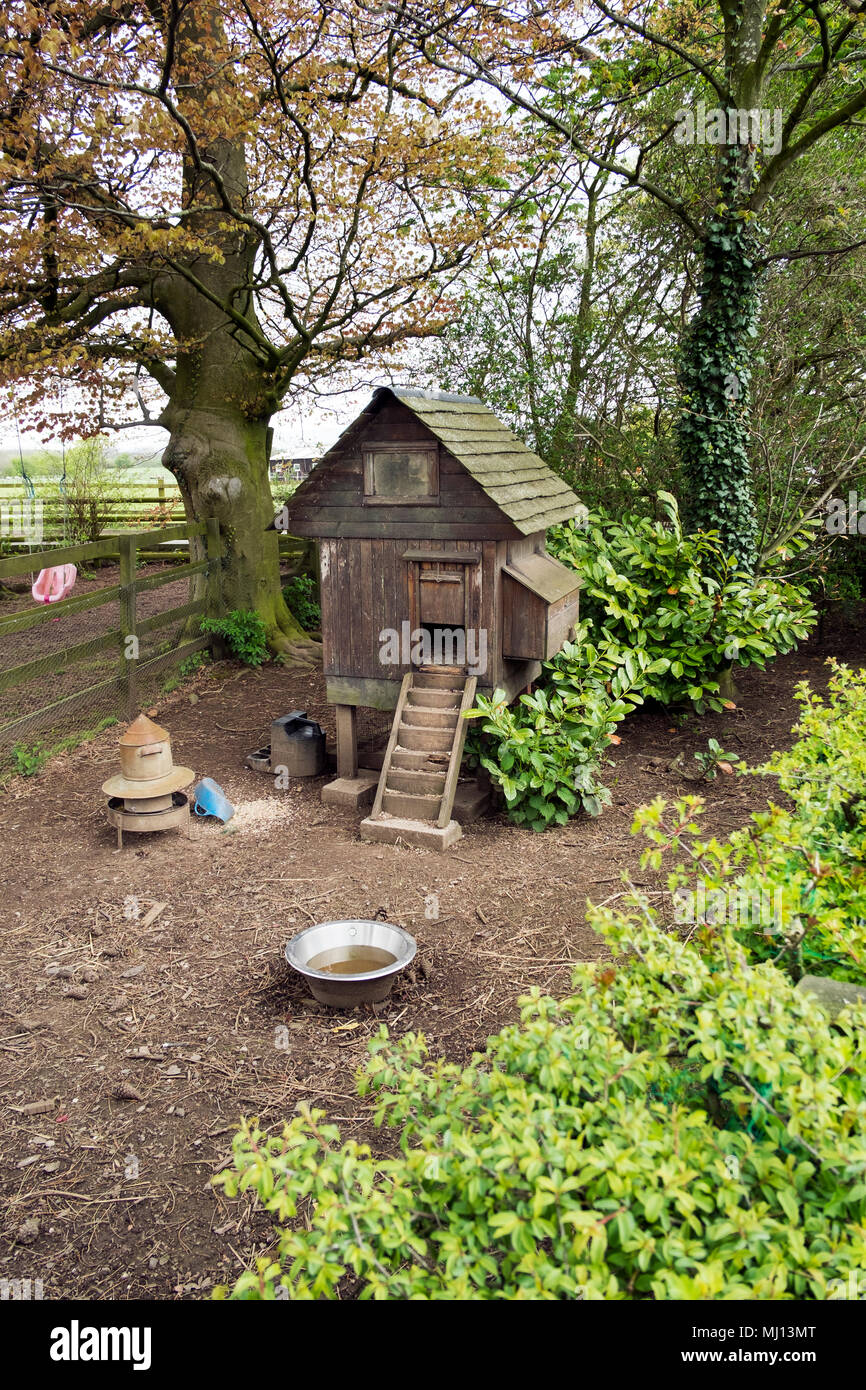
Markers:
{"x": 47, "y": 464}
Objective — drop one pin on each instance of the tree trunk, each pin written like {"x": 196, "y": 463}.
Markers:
{"x": 728, "y": 688}
{"x": 222, "y": 394}
{"x": 219, "y": 458}
{"x": 716, "y": 355}
{"x": 715, "y": 389}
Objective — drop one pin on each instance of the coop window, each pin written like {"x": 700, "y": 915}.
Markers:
{"x": 395, "y": 473}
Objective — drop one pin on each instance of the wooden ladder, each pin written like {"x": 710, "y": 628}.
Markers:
{"x": 425, "y": 749}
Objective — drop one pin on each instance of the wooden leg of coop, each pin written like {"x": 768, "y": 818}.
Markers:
{"x": 347, "y": 740}
{"x": 119, "y": 837}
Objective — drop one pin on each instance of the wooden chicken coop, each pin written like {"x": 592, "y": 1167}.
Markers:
{"x": 430, "y": 518}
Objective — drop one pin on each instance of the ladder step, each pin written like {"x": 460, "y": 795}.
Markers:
{"x": 419, "y": 739}
{"x": 421, "y": 783}
{"x": 434, "y": 699}
{"x": 431, "y": 718}
{"x": 411, "y": 807}
{"x": 422, "y": 761}
{"x": 419, "y": 760}
{"x": 435, "y": 680}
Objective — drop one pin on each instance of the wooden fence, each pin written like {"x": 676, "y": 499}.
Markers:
{"x": 122, "y": 506}
{"x": 121, "y": 688}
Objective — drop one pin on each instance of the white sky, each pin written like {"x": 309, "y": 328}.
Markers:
{"x": 300, "y": 430}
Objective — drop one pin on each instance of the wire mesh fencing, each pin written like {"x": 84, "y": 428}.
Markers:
{"x": 108, "y": 648}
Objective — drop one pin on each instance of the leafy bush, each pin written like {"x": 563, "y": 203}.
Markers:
{"x": 86, "y": 488}
{"x": 679, "y": 599}
{"x": 300, "y": 595}
{"x": 29, "y": 759}
{"x": 244, "y": 632}
{"x": 282, "y": 489}
{"x": 546, "y": 751}
{"x": 808, "y": 859}
{"x": 682, "y": 1127}
{"x": 662, "y": 614}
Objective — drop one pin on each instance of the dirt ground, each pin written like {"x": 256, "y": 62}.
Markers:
{"x": 140, "y": 1038}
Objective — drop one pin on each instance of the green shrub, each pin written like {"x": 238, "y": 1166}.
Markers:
{"x": 662, "y": 614}
{"x": 300, "y": 595}
{"x": 678, "y": 598}
{"x": 244, "y": 633}
{"x": 29, "y": 759}
{"x": 282, "y": 490}
{"x": 808, "y": 858}
{"x": 682, "y": 1127}
{"x": 547, "y": 751}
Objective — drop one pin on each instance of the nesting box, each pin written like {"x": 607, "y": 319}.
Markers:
{"x": 431, "y": 519}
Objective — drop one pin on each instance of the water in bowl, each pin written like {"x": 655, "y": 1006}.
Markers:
{"x": 351, "y": 960}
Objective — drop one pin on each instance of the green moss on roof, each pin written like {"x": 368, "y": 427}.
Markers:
{"x": 516, "y": 479}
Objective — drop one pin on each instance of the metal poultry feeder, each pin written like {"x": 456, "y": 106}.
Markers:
{"x": 147, "y": 794}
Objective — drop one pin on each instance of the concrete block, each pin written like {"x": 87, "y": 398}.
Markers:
{"x": 389, "y": 829}
{"x": 831, "y": 995}
{"x": 471, "y": 800}
{"x": 351, "y": 793}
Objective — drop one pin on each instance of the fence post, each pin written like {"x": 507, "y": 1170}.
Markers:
{"x": 128, "y": 638}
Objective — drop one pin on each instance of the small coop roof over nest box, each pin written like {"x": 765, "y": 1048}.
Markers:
{"x": 516, "y": 480}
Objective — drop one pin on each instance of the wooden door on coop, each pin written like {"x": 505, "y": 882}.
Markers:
{"x": 445, "y": 602}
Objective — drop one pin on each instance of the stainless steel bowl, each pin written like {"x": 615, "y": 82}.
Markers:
{"x": 329, "y": 943}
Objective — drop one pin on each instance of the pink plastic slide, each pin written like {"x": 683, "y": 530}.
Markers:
{"x": 54, "y": 584}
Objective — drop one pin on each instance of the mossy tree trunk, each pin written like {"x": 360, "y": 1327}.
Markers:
{"x": 219, "y": 458}
{"x": 715, "y": 364}
{"x": 221, "y": 393}
{"x": 715, "y": 371}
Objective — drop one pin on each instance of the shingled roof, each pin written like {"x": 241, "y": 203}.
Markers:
{"x": 520, "y": 484}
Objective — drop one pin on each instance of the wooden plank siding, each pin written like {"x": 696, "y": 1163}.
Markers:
{"x": 365, "y": 588}
{"x": 332, "y": 500}
{"x": 490, "y": 488}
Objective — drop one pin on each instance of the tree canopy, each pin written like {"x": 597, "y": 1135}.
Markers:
{"x": 211, "y": 197}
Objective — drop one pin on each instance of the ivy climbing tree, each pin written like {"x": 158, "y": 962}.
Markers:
{"x": 775, "y": 78}
{"x": 714, "y": 374}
